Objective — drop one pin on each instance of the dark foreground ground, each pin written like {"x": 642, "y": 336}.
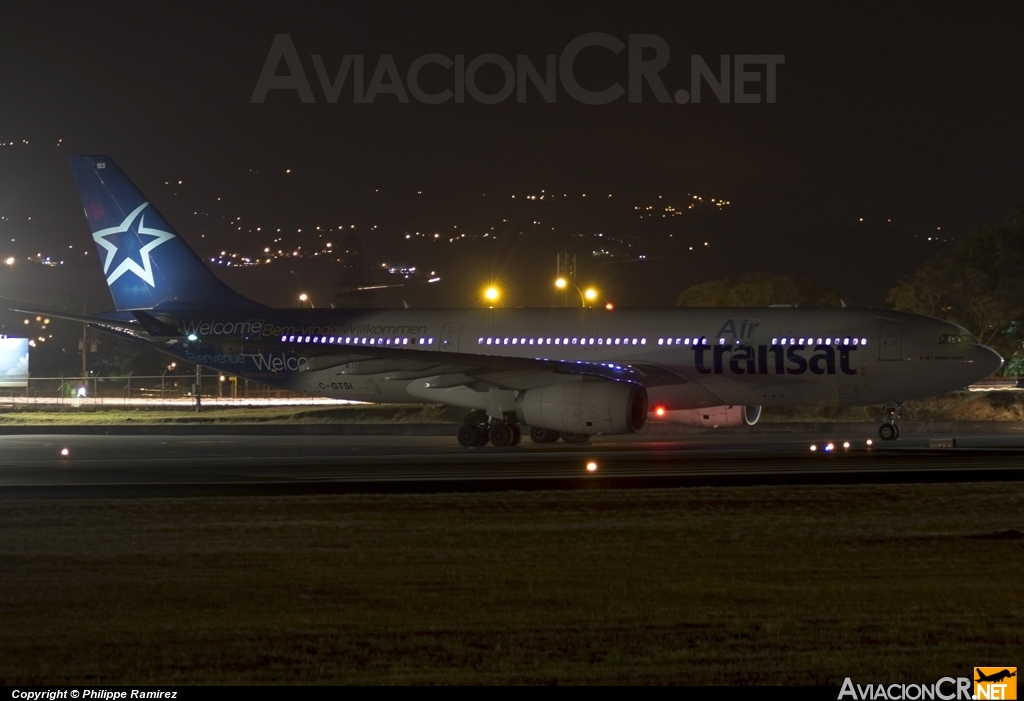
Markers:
{"x": 790, "y": 585}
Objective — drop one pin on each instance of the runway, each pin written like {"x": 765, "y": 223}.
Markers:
{"x": 151, "y": 466}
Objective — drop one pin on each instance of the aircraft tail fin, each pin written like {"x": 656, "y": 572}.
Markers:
{"x": 146, "y": 264}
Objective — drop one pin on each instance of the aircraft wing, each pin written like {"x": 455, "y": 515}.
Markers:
{"x": 98, "y": 322}
{"x": 144, "y": 327}
{"x": 506, "y": 372}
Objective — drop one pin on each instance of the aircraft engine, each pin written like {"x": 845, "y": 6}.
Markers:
{"x": 714, "y": 416}
{"x": 589, "y": 407}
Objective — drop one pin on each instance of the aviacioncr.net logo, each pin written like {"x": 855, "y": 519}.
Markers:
{"x": 995, "y": 683}
{"x": 945, "y": 689}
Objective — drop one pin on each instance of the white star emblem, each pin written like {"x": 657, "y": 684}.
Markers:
{"x": 145, "y": 271}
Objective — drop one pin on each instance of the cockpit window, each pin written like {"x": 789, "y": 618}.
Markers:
{"x": 953, "y": 338}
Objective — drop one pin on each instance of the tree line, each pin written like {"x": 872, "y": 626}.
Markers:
{"x": 979, "y": 285}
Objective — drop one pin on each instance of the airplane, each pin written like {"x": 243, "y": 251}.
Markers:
{"x": 556, "y": 373}
{"x": 995, "y": 677}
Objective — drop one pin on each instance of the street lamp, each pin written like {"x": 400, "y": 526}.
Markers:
{"x": 305, "y": 298}
{"x": 163, "y": 377}
{"x": 491, "y": 294}
{"x": 588, "y": 295}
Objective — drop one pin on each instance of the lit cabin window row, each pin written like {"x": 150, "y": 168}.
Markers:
{"x": 803, "y": 340}
{"x": 562, "y": 341}
{"x": 696, "y": 341}
{"x": 827, "y": 341}
{"x": 353, "y": 341}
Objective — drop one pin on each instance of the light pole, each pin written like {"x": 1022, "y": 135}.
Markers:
{"x": 163, "y": 382}
{"x": 298, "y": 280}
{"x": 588, "y": 295}
{"x": 199, "y": 387}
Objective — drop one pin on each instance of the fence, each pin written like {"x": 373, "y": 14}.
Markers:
{"x": 151, "y": 390}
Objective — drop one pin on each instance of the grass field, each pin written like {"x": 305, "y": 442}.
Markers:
{"x": 791, "y": 585}
{"x": 361, "y": 413}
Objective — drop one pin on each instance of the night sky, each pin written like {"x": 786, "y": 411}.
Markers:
{"x": 897, "y": 115}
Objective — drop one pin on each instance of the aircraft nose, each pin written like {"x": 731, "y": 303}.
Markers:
{"x": 988, "y": 360}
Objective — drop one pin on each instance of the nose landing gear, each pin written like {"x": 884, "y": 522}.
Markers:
{"x": 889, "y": 431}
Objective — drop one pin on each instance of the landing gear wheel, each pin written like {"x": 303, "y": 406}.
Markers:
{"x": 469, "y": 436}
{"x": 575, "y": 437}
{"x": 888, "y": 432}
{"x": 543, "y": 435}
{"x": 500, "y": 435}
{"x": 517, "y": 435}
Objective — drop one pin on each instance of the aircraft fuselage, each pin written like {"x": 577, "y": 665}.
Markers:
{"x": 705, "y": 356}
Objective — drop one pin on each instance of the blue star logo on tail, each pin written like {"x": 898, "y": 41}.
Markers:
{"x": 127, "y": 239}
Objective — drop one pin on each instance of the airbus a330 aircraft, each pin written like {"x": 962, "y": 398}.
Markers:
{"x": 557, "y": 373}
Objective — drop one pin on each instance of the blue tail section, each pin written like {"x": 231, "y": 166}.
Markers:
{"x": 146, "y": 264}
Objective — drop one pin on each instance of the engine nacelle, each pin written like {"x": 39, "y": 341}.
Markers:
{"x": 714, "y": 416}
{"x": 598, "y": 406}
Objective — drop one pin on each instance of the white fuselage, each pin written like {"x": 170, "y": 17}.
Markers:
{"x": 700, "y": 357}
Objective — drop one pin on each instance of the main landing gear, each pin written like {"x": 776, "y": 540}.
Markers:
{"x": 546, "y": 435}
{"x": 478, "y": 430}
{"x": 889, "y": 431}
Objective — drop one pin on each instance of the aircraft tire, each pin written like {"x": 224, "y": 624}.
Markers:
{"x": 500, "y": 435}
{"x": 888, "y": 432}
{"x": 575, "y": 437}
{"x": 517, "y": 434}
{"x": 468, "y": 436}
{"x": 543, "y": 435}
